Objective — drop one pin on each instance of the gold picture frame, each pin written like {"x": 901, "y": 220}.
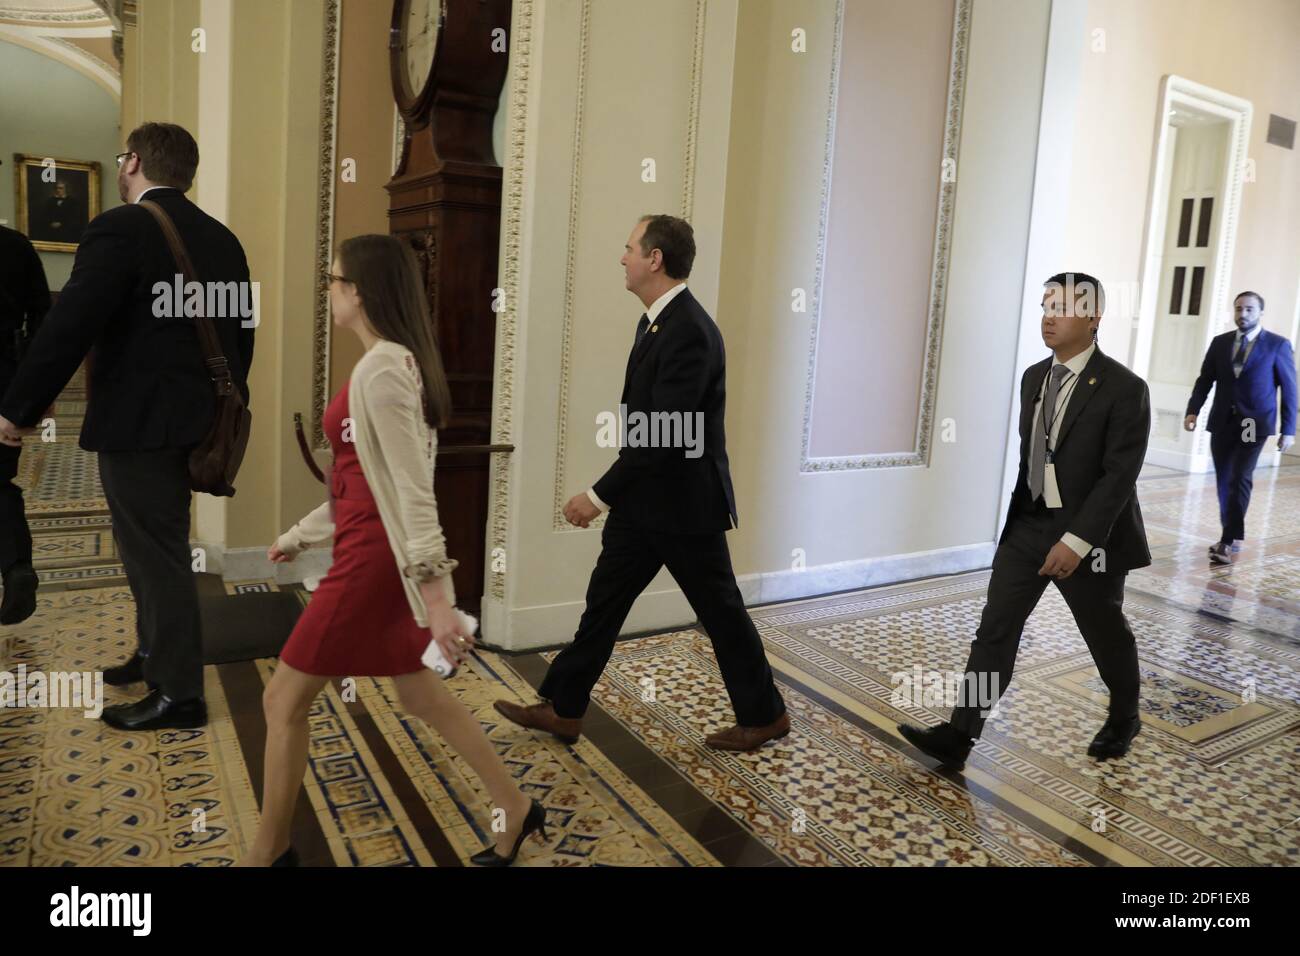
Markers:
{"x": 55, "y": 200}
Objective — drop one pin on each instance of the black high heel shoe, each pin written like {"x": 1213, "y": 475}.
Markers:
{"x": 288, "y": 858}
{"x": 534, "y": 822}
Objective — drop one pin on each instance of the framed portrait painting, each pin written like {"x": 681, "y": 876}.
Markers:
{"x": 55, "y": 199}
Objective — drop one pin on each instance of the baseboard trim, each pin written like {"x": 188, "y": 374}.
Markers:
{"x": 537, "y": 626}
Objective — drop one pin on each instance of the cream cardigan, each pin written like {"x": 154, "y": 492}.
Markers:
{"x": 396, "y": 449}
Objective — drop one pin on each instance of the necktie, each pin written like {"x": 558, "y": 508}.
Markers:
{"x": 640, "y": 330}
{"x": 1239, "y": 360}
{"x": 1043, "y": 425}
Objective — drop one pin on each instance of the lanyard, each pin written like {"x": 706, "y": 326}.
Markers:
{"x": 1062, "y": 397}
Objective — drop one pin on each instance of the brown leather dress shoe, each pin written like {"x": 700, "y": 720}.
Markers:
{"x": 749, "y": 738}
{"x": 541, "y": 717}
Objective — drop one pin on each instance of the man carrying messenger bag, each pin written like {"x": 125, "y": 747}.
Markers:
{"x": 168, "y": 397}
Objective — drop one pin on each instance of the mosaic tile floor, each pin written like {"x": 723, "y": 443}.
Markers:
{"x": 1262, "y": 586}
{"x": 1213, "y": 780}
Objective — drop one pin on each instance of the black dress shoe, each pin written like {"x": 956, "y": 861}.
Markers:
{"x": 128, "y": 672}
{"x": 288, "y": 858}
{"x": 156, "y": 712}
{"x": 20, "y": 594}
{"x": 946, "y": 745}
{"x": 536, "y": 820}
{"x": 1114, "y": 737}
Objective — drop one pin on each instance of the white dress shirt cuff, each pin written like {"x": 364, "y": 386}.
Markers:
{"x": 591, "y": 493}
{"x": 1076, "y": 544}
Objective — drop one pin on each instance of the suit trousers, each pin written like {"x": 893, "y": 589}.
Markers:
{"x": 148, "y": 495}
{"x": 1095, "y": 599}
{"x": 1234, "y": 473}
{"x": 629, "y": 559}
{"x": 15, "y": 536}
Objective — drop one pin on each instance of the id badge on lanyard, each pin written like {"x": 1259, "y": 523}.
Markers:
{"x": 1051, "y": 493}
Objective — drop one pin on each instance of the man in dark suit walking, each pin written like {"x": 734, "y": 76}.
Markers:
{"x": 668, "y": 505}
{"x": 1245, "y": 368}
{"x": 151, "y": 401}
{"x": 1073, "y": 520}
{"x": 24, "y": 300}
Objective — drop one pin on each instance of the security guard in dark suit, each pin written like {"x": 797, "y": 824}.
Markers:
{"x": 1073, "y": 520}
{"x": 24, "y": 300}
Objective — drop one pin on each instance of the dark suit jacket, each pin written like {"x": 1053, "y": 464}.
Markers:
{"x": 1270, "y": 366}
{"x": 680, "y": 367}
{"x": 149, "y": 388}
{"x": 1099, "y": 451}
{"x": 24, "y": 293}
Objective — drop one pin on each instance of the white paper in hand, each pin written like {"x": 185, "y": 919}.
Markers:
{"x": 435, "y": 659}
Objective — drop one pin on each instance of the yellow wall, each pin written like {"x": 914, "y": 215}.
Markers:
{"x": 254, "y": 108}
{"x": 365, "y": 134}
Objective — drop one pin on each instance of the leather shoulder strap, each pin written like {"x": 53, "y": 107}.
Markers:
{"x": 211, "y": 345}
{"x": 174, "y": 241}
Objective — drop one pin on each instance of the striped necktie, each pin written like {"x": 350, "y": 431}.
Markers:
{"x": 1042, "y": 425}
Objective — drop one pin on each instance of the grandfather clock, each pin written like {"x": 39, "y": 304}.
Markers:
{"x": 449, "y": 61}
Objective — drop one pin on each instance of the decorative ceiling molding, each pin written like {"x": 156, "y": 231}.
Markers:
{"x": 53, "y": 43}
{"x": 44, "y": 13}
{"x": 112, "y": 10}
{"x": 77, "y": 51}
{"x": 49, "y": 27}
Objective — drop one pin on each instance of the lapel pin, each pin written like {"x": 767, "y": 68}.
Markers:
{"x": 654, "y": 328}
{"x": 1093, "y": 380}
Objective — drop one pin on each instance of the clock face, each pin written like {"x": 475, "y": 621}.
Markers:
{"x": 419, "y": 42}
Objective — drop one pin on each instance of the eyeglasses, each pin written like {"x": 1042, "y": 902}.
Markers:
{"x": 331, "y": 277}
{"x": 121, "y": 157}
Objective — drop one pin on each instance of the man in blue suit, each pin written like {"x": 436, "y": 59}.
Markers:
{"x": 1246, "y": 368}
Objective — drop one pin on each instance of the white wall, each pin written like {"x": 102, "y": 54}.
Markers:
{"x": 756, "y": 211}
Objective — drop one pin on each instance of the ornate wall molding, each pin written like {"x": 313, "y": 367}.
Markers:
{"x": 693, "y": 115}
{"x": 920, "y": 454}
{"x": 570, "y": 268}
{"x": 504, "y": 374}
{"x": 325, "y": 175}
{"x": 575, "y": 183}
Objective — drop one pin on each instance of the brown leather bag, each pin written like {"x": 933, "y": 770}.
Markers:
{"x": 215, "y": 461}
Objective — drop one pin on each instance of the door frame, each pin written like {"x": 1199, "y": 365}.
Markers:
{"x": 1178, "y": 91}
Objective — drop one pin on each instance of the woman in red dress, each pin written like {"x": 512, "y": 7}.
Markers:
{"x": 388, "y": 591}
